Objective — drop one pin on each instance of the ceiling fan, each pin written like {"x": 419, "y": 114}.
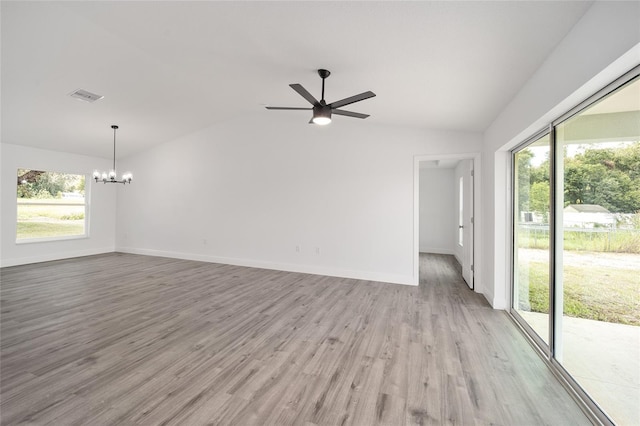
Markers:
{"x": 321, "y": 109}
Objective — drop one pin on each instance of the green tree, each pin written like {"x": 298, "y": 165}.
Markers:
{"x": 39, "y": 184}
{"x": 523, "y": 179}
{"x": 607, "y": 177}
{"x": 81, "y": 185}
{"x": 539, "y": 198}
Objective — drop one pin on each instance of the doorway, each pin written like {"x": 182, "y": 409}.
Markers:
{"x": 445, "y": 213}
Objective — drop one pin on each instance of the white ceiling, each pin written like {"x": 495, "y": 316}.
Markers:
{"x": 167, "y": 69}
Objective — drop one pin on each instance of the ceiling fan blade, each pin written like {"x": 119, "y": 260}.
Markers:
{"x": 292, "y": 108}
{"x": 304, "y": 93}
{"x": 349, "y": 113}
{"x": 352, "y": 99}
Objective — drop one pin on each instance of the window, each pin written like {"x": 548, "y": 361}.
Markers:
{"x": 51, "y": 205}
{"x": 576, "y": 248}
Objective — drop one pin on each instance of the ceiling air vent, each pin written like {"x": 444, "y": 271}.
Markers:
{"x": 83, "y": 95}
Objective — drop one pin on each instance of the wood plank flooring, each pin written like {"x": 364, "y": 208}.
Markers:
{"x": 125, "y": 339}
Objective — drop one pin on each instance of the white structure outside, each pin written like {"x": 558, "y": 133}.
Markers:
{"x": 588, "y": 216}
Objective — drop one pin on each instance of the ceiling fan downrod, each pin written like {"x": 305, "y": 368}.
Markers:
{"x": 323, "y": 74}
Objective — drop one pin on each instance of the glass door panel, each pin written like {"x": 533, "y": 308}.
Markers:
{"x": 531, "y": 253}
{"x": 597, "y": 288}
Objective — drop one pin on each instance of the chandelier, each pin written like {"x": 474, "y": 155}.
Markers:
{"x": 110, "y": 177}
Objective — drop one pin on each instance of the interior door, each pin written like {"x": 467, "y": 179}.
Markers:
{"x": 466, "y": 212}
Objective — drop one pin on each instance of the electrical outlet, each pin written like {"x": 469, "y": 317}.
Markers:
{"x": 298, "y": 249}
{"x": 317, "y": 251}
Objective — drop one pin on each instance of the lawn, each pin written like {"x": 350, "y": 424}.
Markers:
{"x": 615, "y": 240}
{"x": 50, "y": 229}
{"x": 593, "y": 292}
{"x": 49, "y": 218}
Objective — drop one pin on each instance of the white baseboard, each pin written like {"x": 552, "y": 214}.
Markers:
{"x": 54, "y": 256}
{"x": 289, "y": 267}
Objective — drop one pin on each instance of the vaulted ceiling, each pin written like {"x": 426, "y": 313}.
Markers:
{"x": 167, "y": 69}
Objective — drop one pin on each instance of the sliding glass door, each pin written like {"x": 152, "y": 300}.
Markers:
{"x": 531, "y": 252}
{"x": 598, "y": 251}
{"x": 576, "y": 248}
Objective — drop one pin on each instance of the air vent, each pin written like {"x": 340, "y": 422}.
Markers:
{"x": 83, "y": 95}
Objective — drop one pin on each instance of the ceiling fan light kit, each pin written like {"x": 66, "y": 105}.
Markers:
{"x": 321, "y": 110}
{"x": 110, "y": 177}
{"x": 321, "y": 114}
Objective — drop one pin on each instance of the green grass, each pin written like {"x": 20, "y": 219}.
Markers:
{"x": 44, "y": 220}
{"x": 597, "y": 293}
{"x": 55, "y": 212}
{"x": 49, "y": 229}
{"x": 619, "y": 241}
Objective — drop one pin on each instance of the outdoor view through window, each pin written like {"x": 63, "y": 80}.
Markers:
{"x": 50, "y": 205}
{"x": 596, "y": 261}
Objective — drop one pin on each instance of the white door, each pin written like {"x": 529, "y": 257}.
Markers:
{"x": 466, "y": 222}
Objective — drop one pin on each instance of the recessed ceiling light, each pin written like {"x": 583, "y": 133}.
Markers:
{"x": 85, "y": 95}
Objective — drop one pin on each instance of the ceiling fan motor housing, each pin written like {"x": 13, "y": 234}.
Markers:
{"x": 321, "y": 109}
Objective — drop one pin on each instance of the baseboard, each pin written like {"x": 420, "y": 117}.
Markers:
{"x": 53, "y": 256}
{"x": 288, "y": 267}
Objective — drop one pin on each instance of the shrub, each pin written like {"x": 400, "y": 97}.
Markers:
{"x": 72, "y": 216}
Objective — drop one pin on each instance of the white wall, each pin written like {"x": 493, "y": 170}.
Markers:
{"x": 437, "y": 211}
{"x": 602, "y": 46}
{"x": 101, "y": 214}
{"x": 248, "y": 192}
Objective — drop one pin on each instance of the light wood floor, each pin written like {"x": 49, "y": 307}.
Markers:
{"x": 126, "y": 339}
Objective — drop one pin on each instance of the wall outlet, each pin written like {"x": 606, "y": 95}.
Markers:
{"x": 298, "y": 249}
{"x": 317, "y": 251}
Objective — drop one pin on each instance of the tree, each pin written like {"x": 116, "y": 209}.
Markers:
{"x": 607, "y": 177}
{"x": 28, "y": 176}
{"x": 40, "y": 184}
{"x": 539, "y": 199}
{"x": 533, "y": 184}
{"x": 523, "y": 177}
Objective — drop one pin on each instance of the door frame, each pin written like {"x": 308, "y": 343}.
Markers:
{"x": 475, "y": 157}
